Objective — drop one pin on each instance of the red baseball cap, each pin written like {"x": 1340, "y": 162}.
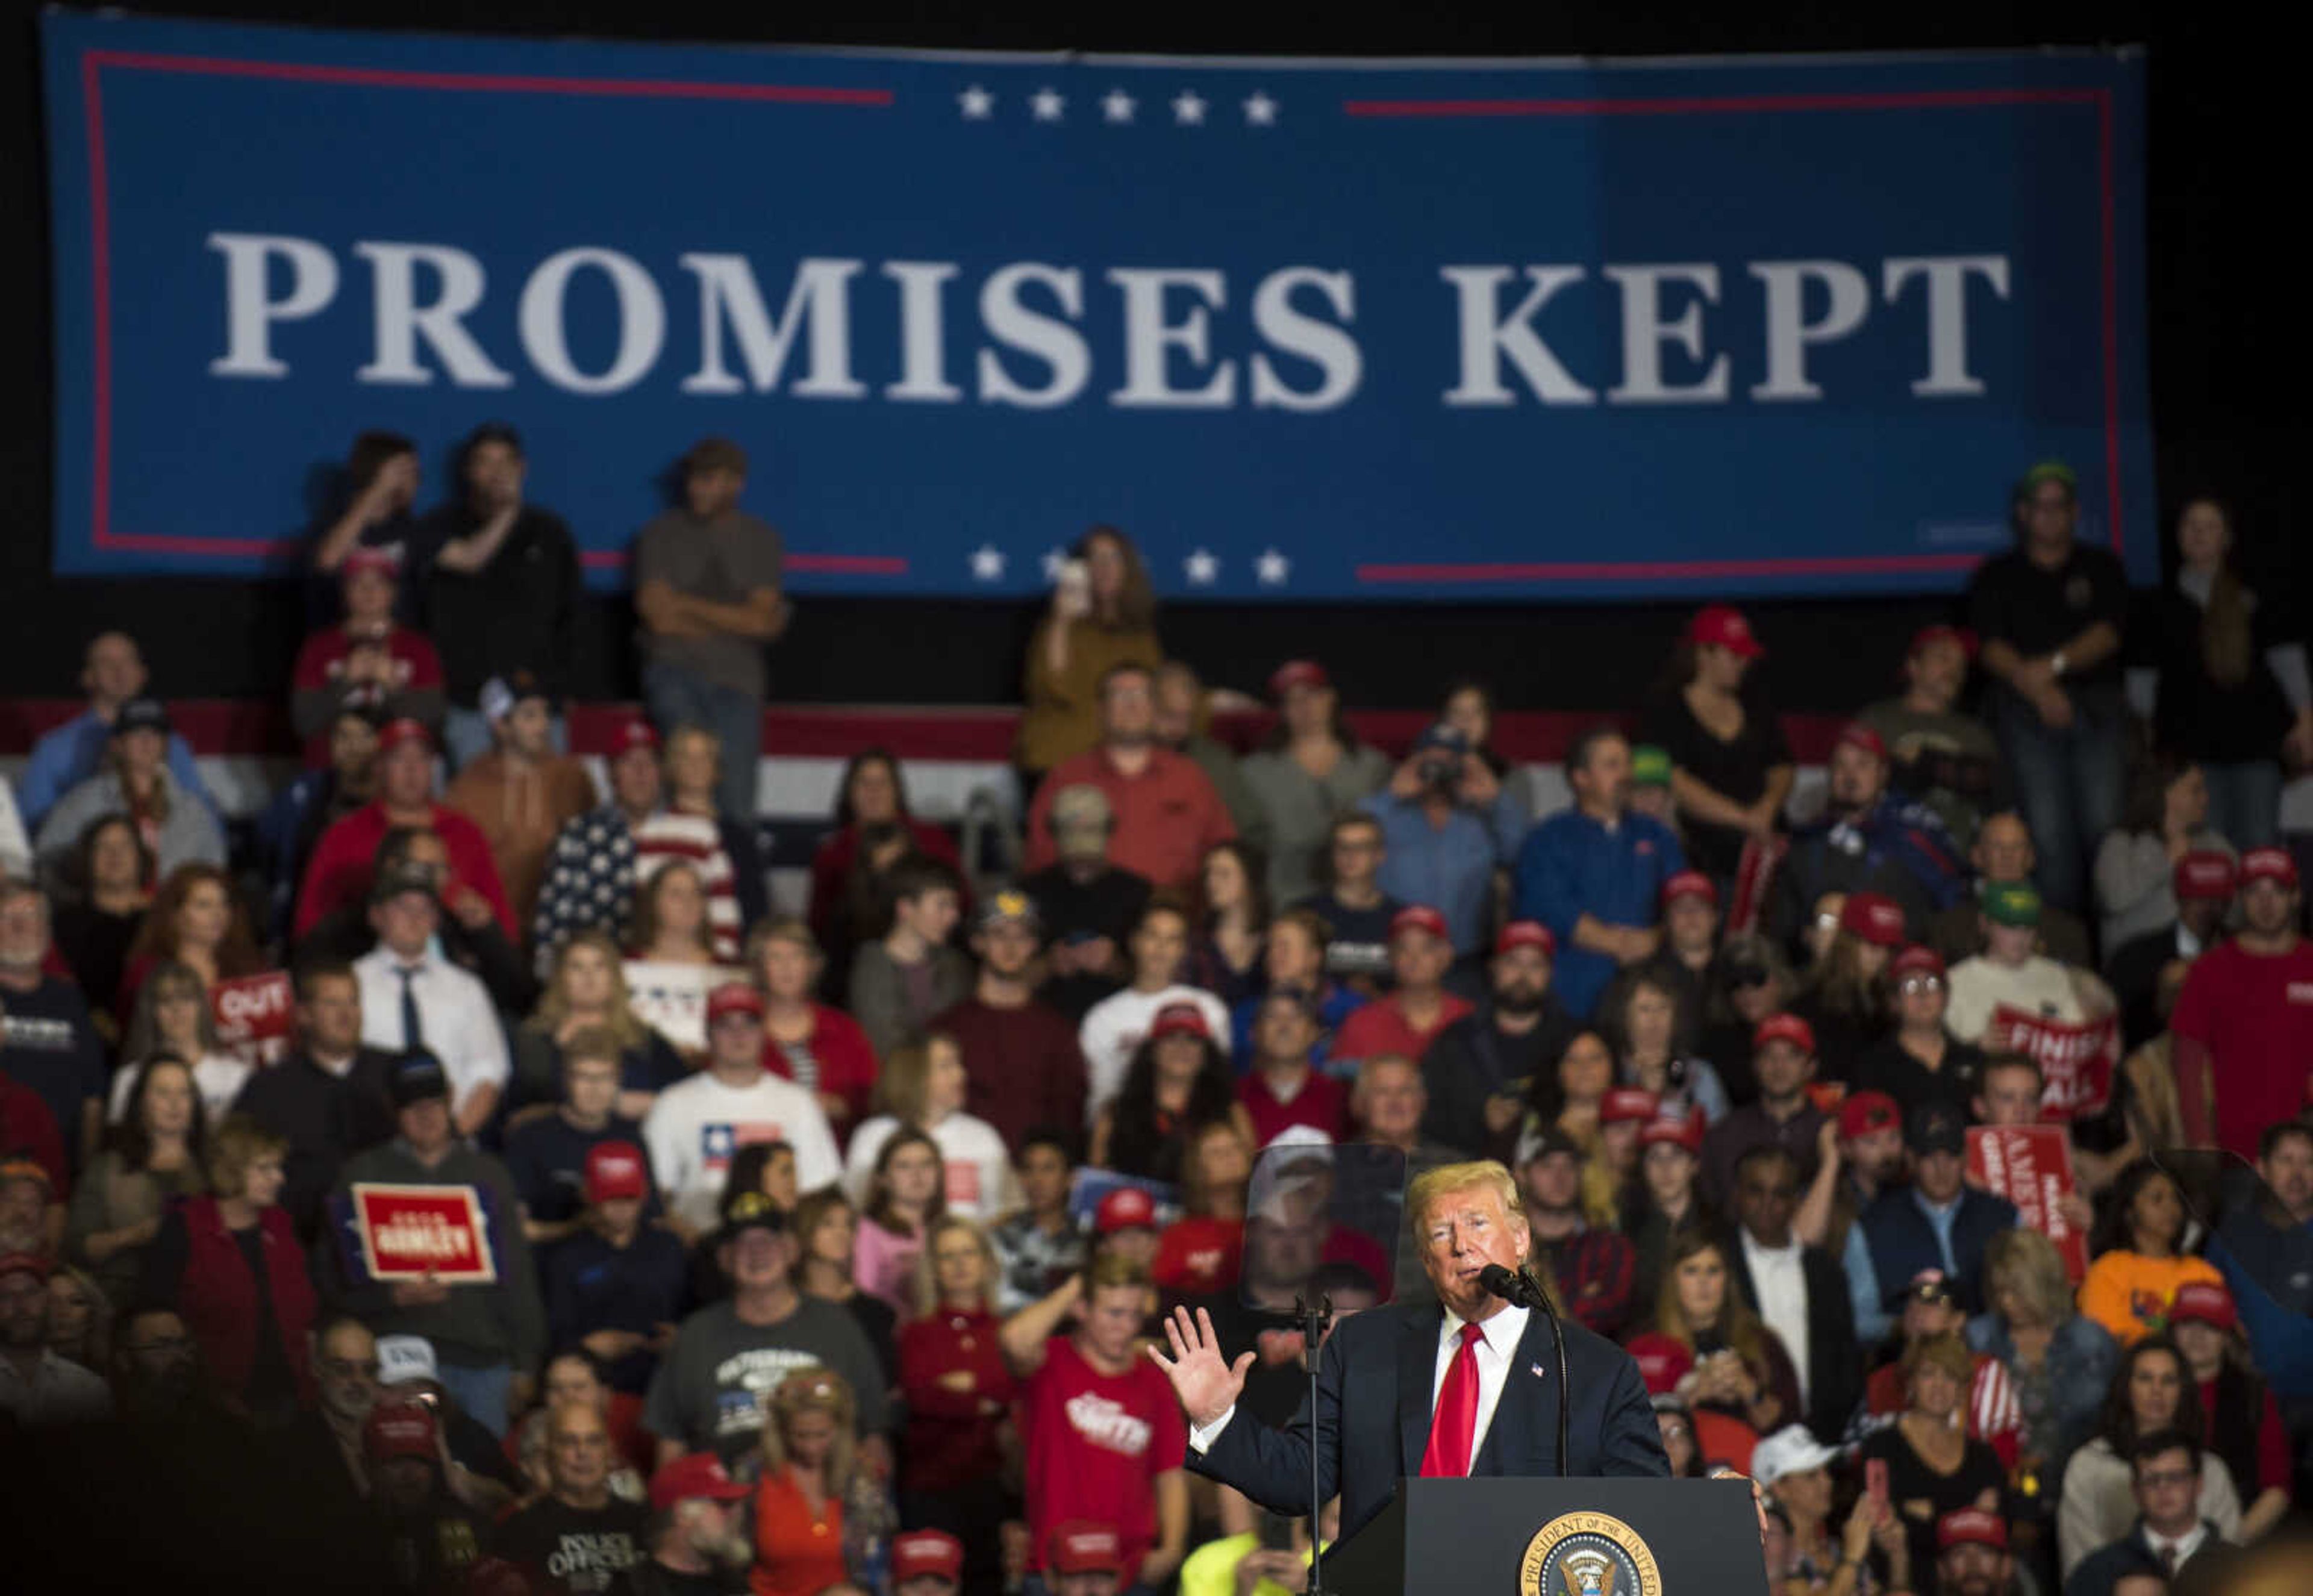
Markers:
{"x": 921, "y": 1552}
{"x": 1916, "y": 961}
{"x": 2204, "y": 1302}
{"x": 1927, "y": 636}
{"x": 396, "y": 1428}
{"x": 385, "y": 562}
{"x": 1874, "y": 916}
{"x": 692, "y": 1476}
{"x": 633, "y": 734}
{"x": 402, "y": 730}
{"x": 2203, "y": 874}
{"x": 23, "y": 1263}
{"x": 1079, "y": 1546}
{"x": 1628, "y": 1102}
{"x": 1685, "y": 1131}
{"x": 1864, "y": 1113}
{"x": 1662, "y": 1361}
{"x": 1723, "y": 624}
{"x": 1298, "y": 673}
{"x": 1419, "y": 916}
{"x": 1971, "y": 1526}
{"x": 1126, "y": 1208}
{"x": 1527, "y": 933}
{"x": 2268, "y": 865}
{"x": 733, "y": 997}
{"x": 614, "y": 1169}
{"x": 1856, "y": 734}
{"x": 1180, "y": 1019}
{"x": 1784, "y": 1028}
{"x": 1688, "y": 883}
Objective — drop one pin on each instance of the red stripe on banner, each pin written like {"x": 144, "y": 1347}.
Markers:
{"x": 974, "y": 733}
{"x": 491, "y": 82}
{"x": 1719, "y": 104}
{"x": 1660, "y": 570}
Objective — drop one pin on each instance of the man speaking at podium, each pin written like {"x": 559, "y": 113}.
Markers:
{"x": 1468, "y": 1385}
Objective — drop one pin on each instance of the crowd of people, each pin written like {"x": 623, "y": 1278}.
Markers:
{"x": 480, "y": 1159}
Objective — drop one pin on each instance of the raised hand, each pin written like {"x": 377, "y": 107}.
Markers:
{"x": 1207, "y": 1383}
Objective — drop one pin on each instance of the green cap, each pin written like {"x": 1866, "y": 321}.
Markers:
{"x": 2010, "y": 903}
{"x": 2049, "y": 470}
{"x": 1649, "y": 765}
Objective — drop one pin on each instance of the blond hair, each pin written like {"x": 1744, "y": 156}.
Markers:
{"x": 924, "y": 1282}
{"x": 235, "y": 1145}
{"x": 904, "y": 1087}
{"x": 554, "y": 1008}
{"x": 1480, "y": 1175}
{"x": 2027, "y": 1263}
{"x": 814, "y": 1388}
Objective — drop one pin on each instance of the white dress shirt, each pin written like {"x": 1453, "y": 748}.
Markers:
{"x": 1497, "y": 1353}
{"x": 2185, "y": 1544}
{"x": 1782, "y": 1285}
{"x": 459, "y": 1022}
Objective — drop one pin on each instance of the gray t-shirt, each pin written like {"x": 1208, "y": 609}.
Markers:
{"x": 709, "y": 1390}
{"x": 721, "y": 561}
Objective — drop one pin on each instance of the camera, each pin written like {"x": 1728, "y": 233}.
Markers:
{"x": 1441, "y": 771}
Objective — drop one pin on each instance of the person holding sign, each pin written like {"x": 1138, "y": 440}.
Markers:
{"x": 1445, "y": 1388}
{"x": 2246, "y": 1015}
{"x": 2011, "y": 971}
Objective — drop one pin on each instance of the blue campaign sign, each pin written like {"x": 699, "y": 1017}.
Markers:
{"x": 1307, "y": 331}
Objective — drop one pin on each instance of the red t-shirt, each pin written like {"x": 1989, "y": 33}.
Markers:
{"x": 1322, "y": 1103}
{"x": 952, "y": 1442}
{"x": 1381, "y": 1027}
{"x": 344, "y": 861}
{"x": 1199, "y": 1256}
{"x": 322, "y": 666}
{"x": 2274, "y": 1462}
{"x": 1166, "y": 818}
{"x": 27, "y": 1130}
{"x": 2254, "y": 1012}
{"x": 1096, "y": 1443}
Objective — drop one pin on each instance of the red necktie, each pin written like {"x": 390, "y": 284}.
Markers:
{"x": 1453, "y": 1428}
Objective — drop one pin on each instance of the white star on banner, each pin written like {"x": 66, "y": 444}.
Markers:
{"x": 1048, "y": 104}
{"x": 1054, "y": 559}
{"x": 977, "y": 102}
{"x": 1201, "y": 567}
{"x": 1272, "y": 568}
{"x": 1260, "y": 110}
{"x": 1189, "y": 109}
{"x": 988, "y": 564}
{"x": 1117, "y": 105}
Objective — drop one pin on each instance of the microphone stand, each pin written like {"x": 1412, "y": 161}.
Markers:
{"x": 1516, "y": 1285}
{"x": 1314, "y": 1317}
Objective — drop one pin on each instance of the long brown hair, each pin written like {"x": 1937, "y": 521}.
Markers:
{"x": 157, "y": 938}
{"x": 879, "y": 1194}
{"x": 1738, "y": 1325}
{"x": 1136, "y": 602}
{"x": 2228, "y": 633}
{"x": 644, "y": 929}
{"x": 1839, "y": 987}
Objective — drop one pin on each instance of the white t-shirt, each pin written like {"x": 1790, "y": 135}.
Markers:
{"x": 697, "y": 1124}
{"x": 979, "y": 1181}
{"x": 218, "y": 1078}
{"x": 2039, "y": 986}
{"x": 1114, "y": 1028}
{"x": 1779, "y": 1278}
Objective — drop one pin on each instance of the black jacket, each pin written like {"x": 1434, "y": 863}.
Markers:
{"x": 2102, "y": 1568}
{"x": 1834, "y": 1365}
{"x": 1472, "y": 1060}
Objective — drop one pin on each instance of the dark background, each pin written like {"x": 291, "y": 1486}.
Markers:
{"x": 2223, "y": 186}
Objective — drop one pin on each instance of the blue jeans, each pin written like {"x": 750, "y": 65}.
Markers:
{"x": 481, "y": 1392}
{"x": 675, "y": 698}
{"x": 466, "y": 736}
{"x": 2245, "y": 802}
{"x": 2068, "y": 782}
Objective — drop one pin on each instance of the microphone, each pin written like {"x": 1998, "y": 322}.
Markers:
{"x": 1516, "y": 1286}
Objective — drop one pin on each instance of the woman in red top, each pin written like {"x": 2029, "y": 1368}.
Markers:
{"x": 873, "y": 830}
{"x": 960, "y": 1441}
{"x": 808, "y": 1464}
{"x": 231, "y": 1263}
{"x": 368, "y": 661}
{"x": 2245, "y": 1428}
{"x": 809, "y": 1043}
{"x": 1199, "y": 1253}
{"x": 196, "y": 920}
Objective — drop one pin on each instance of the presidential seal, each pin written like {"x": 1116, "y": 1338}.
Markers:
{"x": 1588, "y": 1554}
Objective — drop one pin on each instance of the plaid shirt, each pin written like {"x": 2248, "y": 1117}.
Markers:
{"x": 590, "y": 881}
{"x": 1595, "y": 1271}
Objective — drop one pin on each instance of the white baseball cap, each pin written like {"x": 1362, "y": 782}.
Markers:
{"x": 402, "y": 1359}
{"x": 1790, "y": 1449}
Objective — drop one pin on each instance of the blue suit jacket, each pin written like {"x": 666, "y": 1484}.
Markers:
{"x": 1388, "y": 1357}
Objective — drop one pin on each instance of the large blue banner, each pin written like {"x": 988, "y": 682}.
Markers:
{"x": 1330, "y": 332}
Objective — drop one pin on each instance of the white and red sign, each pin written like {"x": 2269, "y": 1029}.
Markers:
{"x": 2031, "y": 1165}
{"x": 409, "y": 1232}
{"x": 2076, "y": 1061}
{"x": 256, "y": 1016}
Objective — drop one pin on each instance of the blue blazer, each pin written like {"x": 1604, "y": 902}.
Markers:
{"x": 1388, "y": 1357}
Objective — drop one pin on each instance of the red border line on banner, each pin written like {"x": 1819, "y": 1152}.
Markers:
{"x": 1744, "y": 104}
{"x": 91, "y": 63}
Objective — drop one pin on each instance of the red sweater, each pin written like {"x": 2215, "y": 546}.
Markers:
{"x": 1024, "y": 1066}
{"x": 843, "y": 1060}
{"x": 952, "y": 1442}
{"x": 218, "y": 1297}
{"x": 2250, "y": 1015}
{"x": 338, "y": 875}
{"x": 28, "y": 1130}
{"x": 1322, "y": 1103}
{"x": 317, "y": 682}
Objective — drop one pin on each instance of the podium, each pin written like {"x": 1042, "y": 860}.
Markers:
{"x": 1494, "y": 1537}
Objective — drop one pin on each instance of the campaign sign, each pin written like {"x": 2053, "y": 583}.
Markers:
{"x": 672, "y": 998}
{"x": 2031, "y": 1165}
{"x": 410, "y": 1232}
{"x": 1379, "y": 331}
{"x": 2076, "y": 1061}
{"x": 255, "y": 1016}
